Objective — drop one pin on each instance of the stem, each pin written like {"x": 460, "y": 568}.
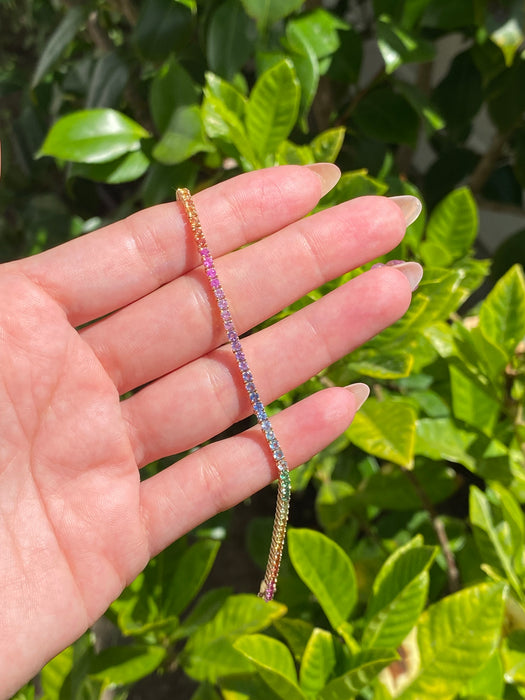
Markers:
{"x": 439, "y": 529}
{"x": 484, "y": 168}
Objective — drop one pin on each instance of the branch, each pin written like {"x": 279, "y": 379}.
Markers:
{"x": 439, "y": 529}
{"x": 486, "y": 165}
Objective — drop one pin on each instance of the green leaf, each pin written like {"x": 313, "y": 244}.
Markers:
{"x": 459, "y": 95}
{"x": 206, "y": 692}
{"x": 399, "y": 595}
{"x": 381, "y": 365}
{"x": 456, "y": 636}
{"x": 306, "y": 67}
{"x": 171, "y": 88}
{"x": 108, "y": 81}
{"x": 353, "y": 184}
{"x": 327, "y": 144}
{"x": 246, "y": 686}
{"x": 421, "y": 103}
{"x": 473, "y": 401}
{"x": 269, "y": 11}
{"x": 327, "y": 571}
{"x": 398, "y": 47}
{"x": 126, "y": 664}
{"x": 289, "y": 153}
{"x": 493, "y": 539}
{"x": 441, "y": 438}
{"x": 391, "y": 488}
{"x": 320, "y": 29}
{"x": 296, "y": 633}
{"x": 192, "y": 570}
{"x": 366, "y": 665}
{"x": 273, "y": 662}
{"x": 184, "y": 136}
{"x": 92, "y": 136}
{"x": 272, "y": 109}
{"x": 489, "y": 681}
{"x": 502, "y": 314}
{"x": 223, "y": 110}
{"x": 333, "y": 503}
{"x": 506, "y": 100}
{"x": 128, "y": 167}
{"x": 386, "y": 116}
{"x": 387, "y": 430}
{"x": 163, "y": 27}
{"x": 59, "y": 41}
{"x": 317, "y": 663}
{"x": 65, "y": 676}
{"x": 452, "y": 228}
{"x": 209, "y": 652}
{"x": 230, "y": 39}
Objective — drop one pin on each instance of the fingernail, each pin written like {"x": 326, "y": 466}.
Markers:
{"x": 412, "y": 271}
{"x": 360, "y": 391}
{"x": 328, "y": 173}
{"x": 409, "y": 205}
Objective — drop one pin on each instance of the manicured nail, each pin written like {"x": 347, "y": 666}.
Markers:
{"x": 360, "y": 391}
{"x": 409, "y": 205}
{"x": 328, "y": 173}
{"x": 412, "y": 271}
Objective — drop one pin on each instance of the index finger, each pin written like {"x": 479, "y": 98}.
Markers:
{"x": 110, "y": 268}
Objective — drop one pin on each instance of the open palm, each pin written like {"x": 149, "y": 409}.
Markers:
{"x": 76, "y": 523}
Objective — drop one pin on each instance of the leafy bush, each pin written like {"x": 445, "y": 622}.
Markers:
{"x": 412, "y": 586}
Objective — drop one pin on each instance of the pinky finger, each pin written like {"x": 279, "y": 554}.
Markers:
{"x": 221, "y": 474}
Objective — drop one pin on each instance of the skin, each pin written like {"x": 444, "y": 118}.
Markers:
{"x": 76, "y": 524}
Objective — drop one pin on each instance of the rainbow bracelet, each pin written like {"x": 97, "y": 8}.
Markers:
{"x": 269, "y": 583}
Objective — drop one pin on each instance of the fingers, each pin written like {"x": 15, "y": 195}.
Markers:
{"x": 258, "y": 280}
{"x": 167, "y": 416}
{"x": 106, "y": 270}
{"x": 223, "y": 473}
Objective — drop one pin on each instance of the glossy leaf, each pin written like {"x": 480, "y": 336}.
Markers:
{"x": 306, "y": 67}
{"x": 391, "y": 488}
{"x": 398, "y": 47}
{"x": 108, "y": 81}
{"x": 502, "y": 314}
{"x": 273, "y": 662}
{"x": 493, "y": 539}
{"x": 333, "y": 503}
{"x": 193, "y": 569}
{"x": 386, "y": 116}
{"x": 452, "y": 228}
{"x": 246, "y": 686}
{"x": 126, "y": 664}
{"x": 269, "y": 11}
{"x": 399, "y": 595}
{"x": 183, "y": 138}
{"x": 127, "y": 168}
{"x": 365, "y": 667}
{"x": 456, "y": 636}
{"x": 230, "y": 39}
{"x": 473, "y": 402}
{"x": 327, "y": 571}
{"x": 321, "y": 29}
{"x": 272, "y": 109}
{"x": 59, "y": 40}
{"x": 356, "y": 183}
{"x": 171, "y": 88}
{"x": 381, "y": 365}
{"x": 441, "y": 438}
{"x": 163, "y": 26}
{"x": 209, "y": 652}
{"x": 318, "y": 662}
{"x": 327, "y": 144}
{"x": 296, "y": 633}
{"x": 386, "y": 429}
{"x": 93, "y": 136}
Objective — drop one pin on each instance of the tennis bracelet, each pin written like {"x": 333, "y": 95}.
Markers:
{"x": 269, "y": 583}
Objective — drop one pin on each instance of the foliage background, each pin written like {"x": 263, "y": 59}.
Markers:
{"x": 409, "y": 531}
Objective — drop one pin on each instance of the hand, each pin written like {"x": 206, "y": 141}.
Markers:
{"x": 76, "y": 523}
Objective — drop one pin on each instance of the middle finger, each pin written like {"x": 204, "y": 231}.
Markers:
{"x": 179, "y": 322}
